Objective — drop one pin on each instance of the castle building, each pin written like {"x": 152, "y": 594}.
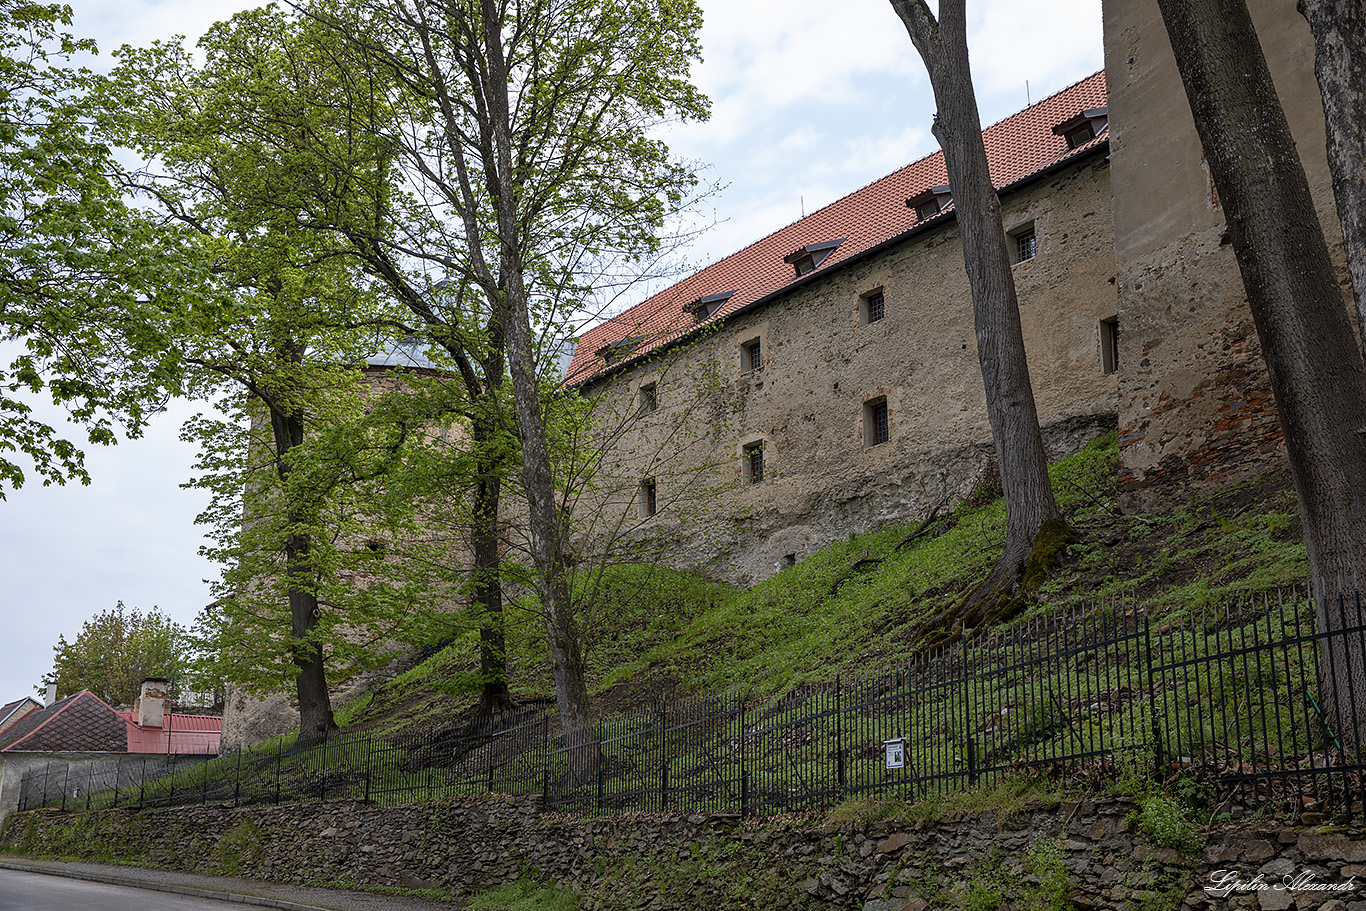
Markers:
{"x": 1195, "y": 406}
{"x": 824, "y": 380}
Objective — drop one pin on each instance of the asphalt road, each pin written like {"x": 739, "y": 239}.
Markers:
{"x": 39, "y": 892}
{"x": 32, "y": 884}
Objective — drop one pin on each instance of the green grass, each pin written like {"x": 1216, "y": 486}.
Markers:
{"x": 651, "y": 630}
{"x": 526, "y": 895}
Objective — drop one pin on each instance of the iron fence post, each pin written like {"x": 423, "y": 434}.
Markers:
{"x": 118, "y": 775}
{"x": 47, "y": 773}
{"x": 602, "y": 773}
{"x": 369, "y": 764}
{"x": 839, "y": 737}
{"x": 744, "y": 773}
{"x": 65, "y": 781}
{"x": 664, "y": 786}
{"x": 279, "y": 753}
{"x": 237, "y": 780}
{"x": 142, "y": 787}
{"x": 1158, "y": 758}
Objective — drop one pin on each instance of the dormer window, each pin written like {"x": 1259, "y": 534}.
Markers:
{"x": 1084, "y": 127}
{"x": 808, "y": 259}
{"x": 930, "y": 203}
{"x": 707, "y": 305}
{"x": 615, "y": 351}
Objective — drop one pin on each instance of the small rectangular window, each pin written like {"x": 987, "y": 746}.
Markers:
{"x": 872, "y": 307}
{"x": 877, "y": 429}
{"x": 1109, "y": 345}
{"x": 648, "y": 402}
{"x": 926, "y": 209}
{"x": 753, "y": 463}
{"x": 1026, "y": 244}
{"x": 751, "y": 356}
{"x": 649, "y": 503}
{"x": 1080, "y": 137}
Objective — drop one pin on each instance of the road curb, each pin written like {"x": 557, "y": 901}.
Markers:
{"x": 237, "y": 897}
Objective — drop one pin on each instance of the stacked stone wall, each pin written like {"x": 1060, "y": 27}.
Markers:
{"x": 669, "y": 861}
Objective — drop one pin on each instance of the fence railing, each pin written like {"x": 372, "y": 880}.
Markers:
{"x": 1254, "y": 699}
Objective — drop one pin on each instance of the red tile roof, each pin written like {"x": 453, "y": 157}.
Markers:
{"x": 84, "y": 723}
{"x": 178, "y": 734}
{"x": 1018, "y": 147}
{"x": 80, "y": 723}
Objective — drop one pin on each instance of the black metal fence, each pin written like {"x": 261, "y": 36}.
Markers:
{"x": 1252, "y": 699}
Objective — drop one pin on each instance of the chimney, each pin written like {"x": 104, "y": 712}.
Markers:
{"x": 152, "y": 702}
{"x": 51, "y": 693}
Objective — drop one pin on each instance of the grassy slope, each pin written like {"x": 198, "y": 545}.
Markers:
{"x": 652, "y": 630}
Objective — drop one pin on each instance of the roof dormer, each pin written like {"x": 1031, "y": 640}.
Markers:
{"x": 931, "y": 202}
{"x": 808, "y": 259}
{"x": 615, "y": 351}
{"x": 707, "y": 305}
{"x": 1084, "y": 127}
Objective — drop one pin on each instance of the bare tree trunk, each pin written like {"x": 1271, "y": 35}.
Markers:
{"x": 1032, "y": 513}
{"x": 1339, "y": 29}
{"x": 315, "y": 705}
{"x": 1316, "y": 370}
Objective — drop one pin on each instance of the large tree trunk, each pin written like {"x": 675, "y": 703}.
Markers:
{"x": 315, "y": 705}
{"x": 543, "y": 514}
{"x": 1032, "y": 513}
{"x": 1316, "y": 369}
{"x": 488, "y": 589}
{"x": 1339, "y": 28}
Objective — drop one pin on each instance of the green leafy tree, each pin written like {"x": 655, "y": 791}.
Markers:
{"x": 115, "y": 650}
{"x": 90, "y": 287}
{"x": 530, "y": 124}
{"x": 281, "y": 341}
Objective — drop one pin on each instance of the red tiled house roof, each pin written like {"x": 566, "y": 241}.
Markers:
{"x": 181, "y": 734}
{"x": 79, "y": 723}
{"x": 1018, "y": 148}
{"x": 84, "y": 723}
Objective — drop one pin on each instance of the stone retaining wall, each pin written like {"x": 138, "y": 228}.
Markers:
{"x": 1090, "y": 854}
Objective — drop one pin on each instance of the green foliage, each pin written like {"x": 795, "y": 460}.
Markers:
{"x": 526, "y": 895}
{"x": 94, "y": 288}
{"x": 1159, "y": 813}
{"x": 1050, "y": 892}
{"x": 245, "y": 145}
{"x": 236, "y": 845}
{"x": 116, "y": 649}
{"x": 982, "y": 895}
{"x": 1168, "y": 822}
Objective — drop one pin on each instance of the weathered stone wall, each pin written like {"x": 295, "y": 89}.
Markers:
{"x": 667, "y": 862}
{"x": 650, "y": 861}
{"x": 1195, "y": 405}
{"x": 822, "y": 363}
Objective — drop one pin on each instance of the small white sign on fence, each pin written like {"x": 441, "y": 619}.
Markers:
{"x": 896, "y": 753}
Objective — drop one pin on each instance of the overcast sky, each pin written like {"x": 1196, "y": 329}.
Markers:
{"x": 810, "y": 101}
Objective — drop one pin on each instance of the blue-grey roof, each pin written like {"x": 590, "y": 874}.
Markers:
{"x": 409, "y": 351}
